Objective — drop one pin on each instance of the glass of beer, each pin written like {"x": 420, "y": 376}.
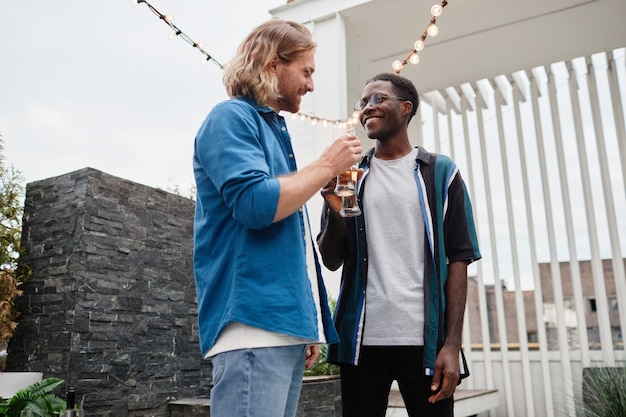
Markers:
{"x": 349, "y": 207}
{"x": 346, "y": 181}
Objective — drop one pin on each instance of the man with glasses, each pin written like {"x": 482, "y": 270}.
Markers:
{"x": 404, "y": 281}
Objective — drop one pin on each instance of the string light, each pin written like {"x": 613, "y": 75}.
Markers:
{"x": 412, "y": 57}
{"x": 431, "y": 30}
{"x": 436, "y": 10}
{"x": 176, "y": 32}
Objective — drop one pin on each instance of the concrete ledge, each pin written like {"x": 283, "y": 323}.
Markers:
{"x": 467, "y": 402}
{"x": 190, "y": 407}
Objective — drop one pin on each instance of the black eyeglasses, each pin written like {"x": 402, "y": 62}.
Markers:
{"x": 374, "y": 101}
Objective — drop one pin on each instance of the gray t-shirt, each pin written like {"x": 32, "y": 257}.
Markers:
{"x": 394, "y": 299}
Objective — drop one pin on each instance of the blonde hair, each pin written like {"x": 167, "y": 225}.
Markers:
{"x": 248, "y": 74}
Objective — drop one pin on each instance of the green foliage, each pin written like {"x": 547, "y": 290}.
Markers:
{"x": 37, "y": 397}
{"x": 11, "y": 210}
{"x": 12, "y": 272}
{"x": 321, "y": 367}
{"x": 604, "y": 392}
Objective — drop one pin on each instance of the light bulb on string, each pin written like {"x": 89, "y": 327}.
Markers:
{"x": 414, "y": 59}
{"x": 172, "y": 35}
{"x": 419, "y": 45}
{"x": 436, "y": 10}
{"x": 397, "y": 65}
{"x": 200, "y": 48}
{"x": 433, "y": 30}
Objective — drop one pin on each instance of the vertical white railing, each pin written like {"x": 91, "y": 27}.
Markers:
{"x": 609, "y": 203}
{"x": 481, "y": 104}
{"x": 575, "y": 266}
{"x": 618, "y": 110}
{"x": 555, "y": 271}
{"x": 519, "y": 299}
{"x": 519, "y": 95}
{"x": 552, "y": 195}
{"x": 557, "y": 284}
{"x": 466, "y": 106}
{"x": 606, "y": 337}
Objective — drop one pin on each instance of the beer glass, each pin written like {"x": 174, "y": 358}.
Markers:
{"x": 346, "y": 181}
{"x": 349, "y": 206}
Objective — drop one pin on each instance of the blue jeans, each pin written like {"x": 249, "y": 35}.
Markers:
{"x": 258, "y": 382}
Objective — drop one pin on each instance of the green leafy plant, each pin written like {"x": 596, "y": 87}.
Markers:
{"x": 37, "y": 397}
{"x": 13, "y": 272}
{"x": 321, "y": 367}
{"x": 603, "y": 392}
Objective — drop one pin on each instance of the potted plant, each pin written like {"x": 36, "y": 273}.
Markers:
{"x": 321, "y": 385}
{"x": 321, "y": 367}
{"x": 603, "y": 392}
{"x": 37, "y": 397}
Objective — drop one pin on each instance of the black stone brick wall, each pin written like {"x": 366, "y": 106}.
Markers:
{"x": 111, "y": 306}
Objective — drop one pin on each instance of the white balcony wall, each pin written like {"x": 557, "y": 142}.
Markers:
{"x": 543, "y": 152}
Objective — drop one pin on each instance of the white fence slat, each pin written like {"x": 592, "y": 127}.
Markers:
{"x": 519, "y": 299}
{"x": 538, "y": 293}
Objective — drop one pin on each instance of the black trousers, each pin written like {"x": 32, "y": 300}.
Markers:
{"x": 365, "y": 388}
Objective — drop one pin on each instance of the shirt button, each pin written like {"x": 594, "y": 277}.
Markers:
{"x": 283, "y": 128}
{"x": 291, "y": 155}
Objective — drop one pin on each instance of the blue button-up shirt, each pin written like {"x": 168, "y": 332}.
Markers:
{"x": 248, "y": 269}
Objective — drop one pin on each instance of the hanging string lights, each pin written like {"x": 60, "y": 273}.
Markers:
{"x": 431, "y": 30}
{"x": 176, "y": 32}
{"x": 413, "y": 58}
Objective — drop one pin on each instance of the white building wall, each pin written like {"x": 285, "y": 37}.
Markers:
{"x": 542, "y": 152}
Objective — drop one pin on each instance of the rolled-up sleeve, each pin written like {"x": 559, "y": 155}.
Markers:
{"x": 239, "y": 158}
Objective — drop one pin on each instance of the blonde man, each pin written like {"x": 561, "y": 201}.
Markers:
{"x": 259, "y": 311}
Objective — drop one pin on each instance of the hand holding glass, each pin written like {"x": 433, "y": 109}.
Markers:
{"x": 346, "y": 181}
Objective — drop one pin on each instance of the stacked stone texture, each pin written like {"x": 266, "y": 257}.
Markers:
{"x": 110, "y": 306}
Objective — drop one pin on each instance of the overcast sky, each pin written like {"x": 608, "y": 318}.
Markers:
{"x": 98, "y": 84}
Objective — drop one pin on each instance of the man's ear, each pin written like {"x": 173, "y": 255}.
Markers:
{"x": 407, "y": 107}
{"x": 273, "y": 65}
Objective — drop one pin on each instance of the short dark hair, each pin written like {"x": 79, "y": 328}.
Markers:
{"x": 402, "y": 87}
